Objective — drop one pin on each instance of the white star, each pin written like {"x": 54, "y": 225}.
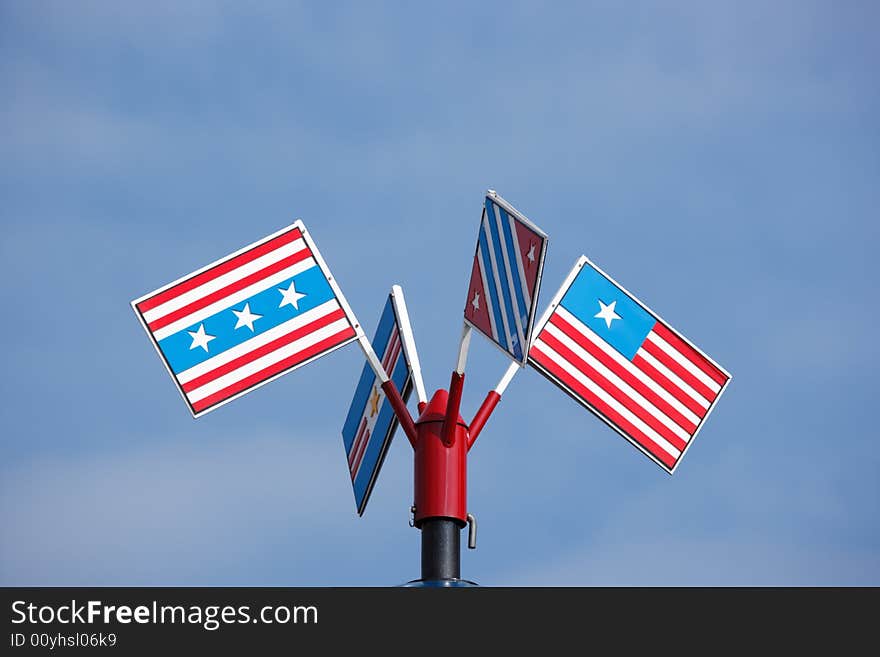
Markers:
{"x": 200, "y": 338}
{"x": 246, "y": 317}
{"x": 607, "y": 313}
{"x": 290, "y": 296}
{"x": 476, "y": 302}
{"x": 531, "y": 254}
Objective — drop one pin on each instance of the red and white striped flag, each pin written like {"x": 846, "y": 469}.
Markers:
{"x": 620, "y": 360}
{"x": 246, "y": 319}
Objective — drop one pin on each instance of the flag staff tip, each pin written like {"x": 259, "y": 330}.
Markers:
{"x": 463, "y": 347}
{"x": 409, "y": 343}
{"x": 512, "y": 369}
{"x": 372, "y": 358}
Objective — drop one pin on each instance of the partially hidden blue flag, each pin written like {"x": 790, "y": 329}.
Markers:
{"x": 371, "y": 421}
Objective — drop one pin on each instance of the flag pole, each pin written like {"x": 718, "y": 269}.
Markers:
{"x": 490, "y": 402}
{"x": 372, "y": 358}
{"x": 456, "y": 386}
{"x": 391, "y": 391}
{"x": 409, "y": 344}
{"x": 463, "y": 348}
{"x": 511, "y": 371}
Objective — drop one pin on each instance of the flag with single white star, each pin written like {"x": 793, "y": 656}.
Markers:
{"x": 370, "y": 424}
{"x": 246, "y": 319}
{"x": 505, "y": 277}
{"x": 615, "y": 356}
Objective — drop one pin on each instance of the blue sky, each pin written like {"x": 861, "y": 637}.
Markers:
{"x": 720, "y": 160}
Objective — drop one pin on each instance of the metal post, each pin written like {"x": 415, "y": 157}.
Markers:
{"x": 441, "y": 549}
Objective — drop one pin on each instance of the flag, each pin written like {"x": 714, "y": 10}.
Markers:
{"x": 246, "y": 319}
{"x": 371, "y": 422}
{"x": 620, "y": 360}
{"x": 505, "y": 277}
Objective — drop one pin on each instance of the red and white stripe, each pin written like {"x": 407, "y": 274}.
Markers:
{"x": 358, "y": 448}
{"x": 227, "y": 283}
{"x": 368, "y": 421}
{"x": 265, "y": 355}
{"x": 658, "y": 399}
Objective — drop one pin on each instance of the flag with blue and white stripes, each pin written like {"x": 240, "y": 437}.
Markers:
{"x": 371, "y": 422}
{"x": 506, "y": 277}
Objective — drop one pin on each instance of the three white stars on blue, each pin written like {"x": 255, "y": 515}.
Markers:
{"x": 246, "y": 318}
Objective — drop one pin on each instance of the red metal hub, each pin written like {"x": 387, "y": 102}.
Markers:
{"x": 440, "y": 464}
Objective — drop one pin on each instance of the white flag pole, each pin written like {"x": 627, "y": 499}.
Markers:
{"x": 372, "y": 358}
{"x": 409, "y": 342}
{"x": 512, "y": 369}
{"x": 463, "y": 347}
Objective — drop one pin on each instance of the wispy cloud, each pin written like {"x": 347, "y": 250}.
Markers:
{"x": 733, "y": 561}
{"x": 183, "y": 513}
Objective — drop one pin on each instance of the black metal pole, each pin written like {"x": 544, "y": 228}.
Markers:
{"x": 441, "y": 549}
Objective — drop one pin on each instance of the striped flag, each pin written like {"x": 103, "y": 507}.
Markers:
{"x": 616, "y": 357}
{"x": 371, "y": 422}
{"x": 506, "y": 277}
{"x": 246, "y": 319}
